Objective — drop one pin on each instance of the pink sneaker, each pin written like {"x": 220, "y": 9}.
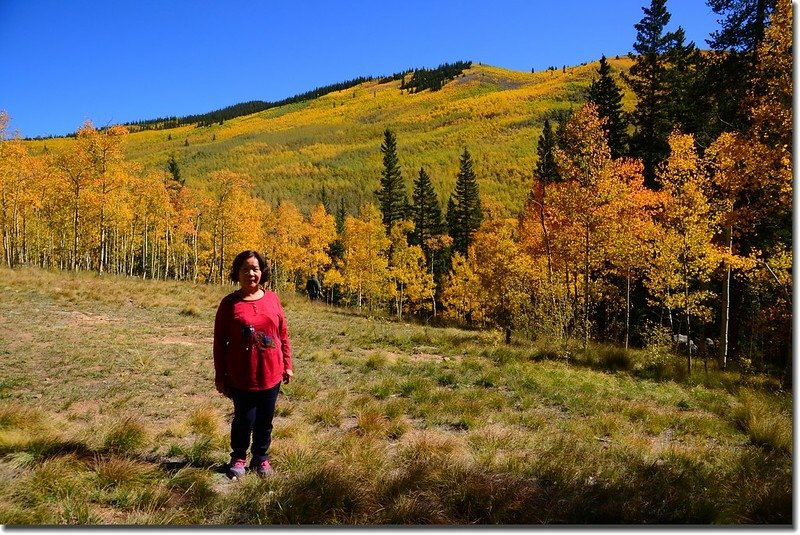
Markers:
{"x": 236, "y": 469}
{"x": 263, "y": 468}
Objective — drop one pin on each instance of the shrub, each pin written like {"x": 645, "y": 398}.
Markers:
{"x": 328, "y": 414}
{"x": 763, "y": 422}
{"x": 117, "y": 471}
{"x": 126, "y": 436}
{"x": 190, "y": 310}
{"x": 614, "y": 358}
{"x": 371, "y": 420}
{"x": 204, "y": 421}
{"x": 195, "y": 486}
{"x": 375, "y": 361}
{"x": 323, "y": 494}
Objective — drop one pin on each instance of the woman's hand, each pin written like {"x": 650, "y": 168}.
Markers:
{"x": 287, "y": 376}
{"x": 222, "y": 388}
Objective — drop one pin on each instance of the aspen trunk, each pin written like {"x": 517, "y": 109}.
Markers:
{"x": 627, "y": 307}
{"x": 75, "y": 232}
{"x": 726, "y": 304}
{"x": 102, "y": 259}
{"x": 586, "y": 292}
{"x": 144, "y": 252}
{"x": 166, "y": 253}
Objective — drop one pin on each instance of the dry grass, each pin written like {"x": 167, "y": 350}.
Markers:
{"x": 109, "y": 416}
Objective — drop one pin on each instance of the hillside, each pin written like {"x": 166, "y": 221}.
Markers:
{"x": 109, "y": 416}
{"x": 292, "y": 151}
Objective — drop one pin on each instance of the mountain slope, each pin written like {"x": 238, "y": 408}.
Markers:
{"x": 291, "y": 152}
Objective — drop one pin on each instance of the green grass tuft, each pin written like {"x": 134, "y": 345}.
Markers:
{"x": 126, "y": 437}
{"x": 756, "y": 417}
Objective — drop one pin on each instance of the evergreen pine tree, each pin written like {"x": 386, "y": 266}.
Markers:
{"x": 464, "y": 213}
{"x": 607, "y": 96}
{"x": 174, "y": 170}
{"x": 450, "y": 216}
{"x": 336, "y": 250}
{"x": 685, "y": 104}
{"x": 562, "y": 118}
{"x": 392, "y": 193}
{"x": 648, "y": 80}
{"x": 743, "y": 24}
{"x": 546, "y": 168}
{"x": 323, "y": 198}
{"x": 727, "y": 73}
{"x": 425, "y": 211}
{"x": 546, "y": 172}
{"x": 341, "y": 213}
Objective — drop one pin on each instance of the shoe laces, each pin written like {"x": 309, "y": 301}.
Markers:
{"x": 238, "y": 463}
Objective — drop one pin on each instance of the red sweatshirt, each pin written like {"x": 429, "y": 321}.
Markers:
{"x": 251, "y": 342}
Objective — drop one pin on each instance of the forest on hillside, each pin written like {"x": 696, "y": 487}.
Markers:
{"x": 672, "y": 220}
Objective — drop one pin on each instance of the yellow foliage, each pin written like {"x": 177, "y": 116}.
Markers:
{"x": 461, "y": 291}
{"x": 414, "y": 285}
{"x": 364, "y": 270}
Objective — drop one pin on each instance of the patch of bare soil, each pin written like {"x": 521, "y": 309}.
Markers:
{"x": 178, "y": 340}
{"x": 76, "y": 317}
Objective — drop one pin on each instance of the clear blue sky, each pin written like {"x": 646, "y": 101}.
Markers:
{"x": 65, "y": 61}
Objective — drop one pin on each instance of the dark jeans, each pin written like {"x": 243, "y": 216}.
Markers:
{"x": 252, "y": 414}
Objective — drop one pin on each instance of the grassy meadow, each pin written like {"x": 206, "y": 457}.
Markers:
{"x": 334, "y": 141}
{"x": 108, "y": 415}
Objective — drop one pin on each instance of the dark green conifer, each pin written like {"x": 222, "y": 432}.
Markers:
{"x": 607, "y": 96}
{"x": 546, "y": 168}
{"x": 341, "y": 213}
{"x": 647, "y": 79}
{"x": 392, "y": 193}
{"x": 464, "y": 212}
{"x": 425, "y": 211}
{"x": 175, "y": 170}
{"x": 685, "y": 105}
{"x": 726, "y": 76}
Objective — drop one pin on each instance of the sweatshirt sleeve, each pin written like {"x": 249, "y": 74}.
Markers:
{"x": 283, "y": 332}
{"x": 220, "y": 339}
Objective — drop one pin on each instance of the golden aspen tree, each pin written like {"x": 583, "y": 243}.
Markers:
{"x": 201, "y": 205}
{"x": 437, "y": 246}
{"x": 245, "y": 222}
{"x": 413, "y": 281}
{"x": 7, "y": 171}
{"x": 286, "y": 230}
{"x": 504, "y": 272}
{"x": 75, "y": 172}
{"x": 365, "y": 263}
{"x": 632, "y": 229}
{"x": 728, "y": 156}
{"x": 550, "y": 309}
{"x": 685, "y": 256}
{"x": 222, "y": 185}
{"x": 151, "y": 211}
{"x": 33, "y": 230}
{"x": 15, "y": 197}
{"x": 753, "y": 172}
{"x": 461, "y": 291}
{"x": 319, "y": 233}
{"x": 54, "y": 213}
{"x": 102, "y": 151}
{"x": 579, "y": 204}
{"x": 185, "y": 213}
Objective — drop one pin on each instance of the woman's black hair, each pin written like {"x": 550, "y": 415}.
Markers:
{"x": 239, "y": 260}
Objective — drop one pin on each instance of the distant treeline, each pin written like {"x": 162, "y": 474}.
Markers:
{"x": 434, "y": 79}
{"x": 420, "y": 80}
{"x": 244, "y": 108}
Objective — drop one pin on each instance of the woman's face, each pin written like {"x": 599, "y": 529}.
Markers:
{"x": 249, "y": 274}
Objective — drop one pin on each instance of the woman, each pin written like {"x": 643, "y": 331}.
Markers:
{"x": 251, "y": 356}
